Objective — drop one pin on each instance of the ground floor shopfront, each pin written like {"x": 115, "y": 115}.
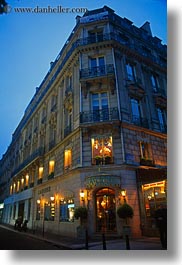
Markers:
{"x": 49, "y": 207}
{"x": 152, "y": 187}
{"x": 101, "y": 193}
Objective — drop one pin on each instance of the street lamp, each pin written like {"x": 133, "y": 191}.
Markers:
{"x": 123, "y": 194}
{"x": 82, "y": 195}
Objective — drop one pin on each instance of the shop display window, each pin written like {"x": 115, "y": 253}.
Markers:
{"x": 67, "y": 210}
{"x": 155, "y": 195}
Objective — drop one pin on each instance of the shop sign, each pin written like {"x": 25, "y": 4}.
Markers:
{"x": 44, "y": 190}
{"x": 94, "y": 17}
{"x": 1, "y": 205}
{"x": 102, "y": 180}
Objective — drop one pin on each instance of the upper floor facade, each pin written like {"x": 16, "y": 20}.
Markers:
{"x": 108, "y": 72}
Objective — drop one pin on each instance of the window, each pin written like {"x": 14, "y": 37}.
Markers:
{"x": 136, "y": 111}
{"x": 162, "y": 119}
{"x": 130, "y": 69}
{"x": 49, "y": 211}
{"x": 155, "y": 83}
{"x": 67, "y": 210}
{"x": 68, "y": 121}
{"x": 97, "y": 65}
{"x": 145, "y": 151}
{"x": 43, "y": 120}
{"x": 102, "y": 152}
{"x": 68, "y": 84}
{"x": 95, "y": 36}
{"x": 51, "y": 166}
{"x": 67, "y": 159}
{"x": 14, "y": 211}
{"x": 53, "y": 103}
{"x": 155, "y": 194}
{"x": 38, "y": 210}
{"x": 41, "y": 171}
{"x": 100, "y": 106}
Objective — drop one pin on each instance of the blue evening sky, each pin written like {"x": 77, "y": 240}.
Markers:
{"x": 29, "y": 42}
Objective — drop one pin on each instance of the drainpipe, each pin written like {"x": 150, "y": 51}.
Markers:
{"x": 80, "y": 109}
{"x": 119, "y": 107}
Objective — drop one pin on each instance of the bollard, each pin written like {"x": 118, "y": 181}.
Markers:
{"x": 104, "y": 241}
{"x": 127, "y": 242}
{"x": 86, "y": 239}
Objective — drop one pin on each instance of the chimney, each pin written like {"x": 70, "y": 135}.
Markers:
{"x": 146, "y": 27}
{"x": 77, "y": 19}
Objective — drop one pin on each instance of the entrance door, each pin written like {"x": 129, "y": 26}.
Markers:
{"x": 21, "y": 210}
{"x": 105, "y": 210}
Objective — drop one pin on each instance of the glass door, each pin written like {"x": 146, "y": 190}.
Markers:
{"x": 105, "y": 210}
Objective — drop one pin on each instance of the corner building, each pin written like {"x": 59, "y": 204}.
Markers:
{"x": 94, "y": 133}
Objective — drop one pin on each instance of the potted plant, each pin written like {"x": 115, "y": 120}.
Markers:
{"x": 98, "y": 160}
{"x": 82, "y": 213}
{"x": 125, "y": 211}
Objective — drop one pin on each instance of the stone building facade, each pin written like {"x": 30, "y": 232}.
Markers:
{"x": 94, "y": 134}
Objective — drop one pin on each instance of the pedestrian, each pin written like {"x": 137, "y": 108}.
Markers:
{"x": 161, "y": 222}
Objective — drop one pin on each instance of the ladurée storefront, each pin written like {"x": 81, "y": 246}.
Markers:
{"x": 101, "y": 193}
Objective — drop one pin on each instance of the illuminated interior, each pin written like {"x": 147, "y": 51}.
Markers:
{"x": 41, "y": 170}
{"x": 155, "y": 195}
{"x": 51, "y": 166}
{"x": 106, "y": 215}
{"x": 102, "y": 149}
{"x": 67, "y": 158}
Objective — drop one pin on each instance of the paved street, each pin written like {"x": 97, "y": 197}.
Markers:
{"x": 14, "y": 240}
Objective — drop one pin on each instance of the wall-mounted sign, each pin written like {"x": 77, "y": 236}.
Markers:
{"x": 95, "y": 17}
{"x": 102, "y": 181}
{"x": 44, "y": 190}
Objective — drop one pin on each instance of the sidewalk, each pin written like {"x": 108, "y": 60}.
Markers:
{"x": 143, "y": 243}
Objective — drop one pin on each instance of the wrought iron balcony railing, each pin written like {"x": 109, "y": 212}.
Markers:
{"x": 139, "y": 121}
{"x": 97, "y": 71}
{"x": 99, "y": 115}
{"x": 39, "y": 152}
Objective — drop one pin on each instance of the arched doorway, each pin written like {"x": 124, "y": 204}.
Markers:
{"x": 105, "y": 210}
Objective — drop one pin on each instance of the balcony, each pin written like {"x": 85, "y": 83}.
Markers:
{"x": 98, "y": 71}
{"x": 163, "y": 128}
{"x": 139, "y": 121}
{"x": 39, "y": 152}
{"x": 50, "y": 176}
{"x": 147, "y": 162}
{"x": 39, "y": 181}
{"x": 103, "y": 115}
{"x": 106, "y": 160}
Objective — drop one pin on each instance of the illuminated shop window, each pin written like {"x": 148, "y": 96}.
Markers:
{"x": 49, "y": 211}
{"x": 155, "y": 195}
{"x": 51, "y": 166}
{"x": 102, "y": 152}
{"x": 67, "y": 210}
{"x": 67, "y": 159}
{"x": 38, "y": 210}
